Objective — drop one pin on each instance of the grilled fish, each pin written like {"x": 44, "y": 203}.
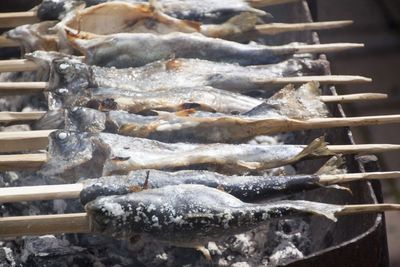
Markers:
{"x": 69, "y": 72}
{"x": 119, "y": 17}
{"x": 205, "y": 11}
{"x": 202, "y": 127}
{"x": 246, "y": 188}
{"x": 75, "y": 155}
{"x": 190, "y": 215}
{"x": 137, "y": 49}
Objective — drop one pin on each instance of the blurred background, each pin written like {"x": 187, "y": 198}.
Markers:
{"x": 377, "y": 24}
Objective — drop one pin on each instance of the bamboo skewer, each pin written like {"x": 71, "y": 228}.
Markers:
{"x": 6, "y": 42}
{"x": 71, "y": 191}
{"x": 18, "y": 65}
{"x": 276, "y": 28}
{"x": 13, "y": 19}
{"x": 22, "y": 161}
{"x": 34, "y": 161}
{"x": 23, "y": 141}
{"x": 264, "y": 3}
{"x": 79, "y": 222}
{"x": 13, "y": 88}
{"x": 325, "y": 48}
{"x": 352, "y": 97}
{"x": 12, "y": 117}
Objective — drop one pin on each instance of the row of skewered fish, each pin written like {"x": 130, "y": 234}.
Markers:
{"x": 158, "y": 107}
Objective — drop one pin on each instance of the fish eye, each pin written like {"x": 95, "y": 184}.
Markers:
{"x": 62, "y": 136}
{"x": 61, "y": 91}
{"x": 64, "y": 67}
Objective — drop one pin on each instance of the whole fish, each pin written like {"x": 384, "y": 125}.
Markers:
{"x": 246, "y": 188}
{"x": 190, "y": 215}
{"x": 197, "y": 126}
{"x": 69, "y": 72}
{"x": 118, "y": 17}
{"x": 138, "y": 49}
{"x": 205, "y": 10}
{"x": 72, "y": 155}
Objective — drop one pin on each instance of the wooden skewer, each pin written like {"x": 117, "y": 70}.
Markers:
{"x": 23, "y": 141}
{"x": 352, "y": 97}
{"x": 326, "y": 48}
{"x": 13, "y": 88}
{"x": 8, "y": 117}
{"x": 14, "y": 19}
{"x": 326, "y": 79}
{"x": 10, "y": 162}
{"x": 18, "y": 65}
{"x": 6, "y": 42}
{"x": 276, "y": 28}
{"x": 71, "y": 191}
{"x": 79, "y": 222}
{"x": 22, "y": 162}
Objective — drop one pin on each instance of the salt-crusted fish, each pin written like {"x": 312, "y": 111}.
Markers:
{"x": 137, "y": 49}
{"x": 32, "y": 37}
{"x": 69, "y": 72}
{"x": 203, "y": 127}
{"x": 119, "y": 17}
{"x": 246, "y": 188}
{"x": 205, "y": 10}
{"x": 72, "y": 155}
{"x": 190, "y": 215}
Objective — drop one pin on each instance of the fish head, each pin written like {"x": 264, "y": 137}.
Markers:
{"x": 73, "y": 155}
{"x": 83, "y": 119}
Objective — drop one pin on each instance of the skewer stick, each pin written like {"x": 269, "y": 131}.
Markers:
{"x": 79, "y": 222}
{"x": 6, "y": 42}
{"x": 18, "y": 65}
{"x": 363, "y": 149}
{"x": 43, "y": 224}
{"x": 12, "y": 88}
{"x": 70, "y": 191}
{"x": 326, "y": 79}
{"x": 12, "y": 117}
{"x": 329, "y": 179}
{"x": 22, "y": 162}
{"x": 14, "y": 19}
{"x": 352, "y": 97}
{"x": 325, "y": 48}
{"x": 23, "y": 140}
{"x": 276, "y": 28}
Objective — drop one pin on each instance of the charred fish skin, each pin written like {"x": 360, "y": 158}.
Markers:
{"x": 245, "y": 188}
{"x": 189, "y": 215}
{"x": 74, "y": 155}
{"x": 133, "y": 50}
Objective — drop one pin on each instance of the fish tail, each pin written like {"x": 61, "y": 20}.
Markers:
{"x": 318, "y": 147}
{"x": 243, "y": 22}
{"x": 332, "y": 166}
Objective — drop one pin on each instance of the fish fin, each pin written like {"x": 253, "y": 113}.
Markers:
{"x": 196, "y": 106}
{"x": 243, "y": 22}
{"x": 340, "y": 187}
{"x": 205, "y": 252}
{"x": 146, "y": 181}
{"x": 316, "y": 148}
{"x": 185, "y": 112}
{"x": 332, "y": 165}
{"x": 221, "y": 188}
{"x": 249, "y": 165}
